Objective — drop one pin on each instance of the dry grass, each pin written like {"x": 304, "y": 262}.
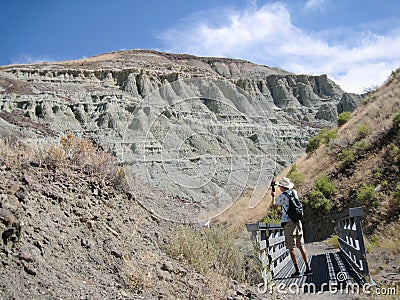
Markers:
{"x": 80, "y": 154}
{"x": 17, "y": 153}
{"x": 213, "y": 250}
{"x": 236, "y": 217}
{"x": 241, "y": 212}
{"x": 71, "y": 153}
{"x": 140, "y": 275}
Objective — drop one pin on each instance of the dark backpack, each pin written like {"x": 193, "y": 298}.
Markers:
{"x": 295, "y": 211}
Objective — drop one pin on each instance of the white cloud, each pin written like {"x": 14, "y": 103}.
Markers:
{"x": 314, "y": 4}
{"x": 267, "y": 36}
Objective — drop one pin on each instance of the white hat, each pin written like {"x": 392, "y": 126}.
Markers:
{"x": 286, "y": 183}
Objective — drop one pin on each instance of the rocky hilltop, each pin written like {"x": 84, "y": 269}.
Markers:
{"x": 185, "y": 126}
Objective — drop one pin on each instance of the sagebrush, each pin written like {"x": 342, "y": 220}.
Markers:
{"x": 213, "y": 249}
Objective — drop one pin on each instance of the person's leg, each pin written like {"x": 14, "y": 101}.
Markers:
{"x": 290, "y": 243}
{"x": 305, "y": 256}
{"x": 300, "y": 245}
{"x": 294, "y": 259}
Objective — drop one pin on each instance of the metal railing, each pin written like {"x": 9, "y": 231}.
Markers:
{"x": 271, "y": 242}
{"x": 351, "y": 240}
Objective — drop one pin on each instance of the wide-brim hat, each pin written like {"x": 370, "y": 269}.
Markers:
{"x": 286, "y": 183}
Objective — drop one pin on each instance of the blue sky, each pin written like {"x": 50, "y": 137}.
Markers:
{"x": 355, "y": 42}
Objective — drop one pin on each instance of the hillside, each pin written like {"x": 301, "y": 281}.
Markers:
{"x": 71, "y": 229}
{"x": 359, "y": 166}
{"x": 355, "y": 164}
{"x": 364, "y": 152}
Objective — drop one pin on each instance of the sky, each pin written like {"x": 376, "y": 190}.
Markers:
{"x": 355, "y": 42}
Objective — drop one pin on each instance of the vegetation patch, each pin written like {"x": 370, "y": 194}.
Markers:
{"x": 325, "y": 137}
{"x": 396, "y": 120}
{"x": 394, "y": 201}
{"x": 346, "y": 156}
{"x": 212, "y": 249}
{"x": 369, "y": 98}
{"x": 83, "y": 155}
{"x": 295, "y": 176}
{"x": 363, "y": 131}
{"x": 343, "y": 118}
{"x": 318, "y": 201}
{"x": 334, "y": 241}
{"x": 325, "y": 186}
{"x": 366, "y": 196}
{"x": 361, "y": 145}
{"x": 273, "y": 216}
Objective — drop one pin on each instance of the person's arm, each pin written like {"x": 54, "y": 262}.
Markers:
{"x": 273, "y": 195}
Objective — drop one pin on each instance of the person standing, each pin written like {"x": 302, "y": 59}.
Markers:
{"x": 293, "y": 230}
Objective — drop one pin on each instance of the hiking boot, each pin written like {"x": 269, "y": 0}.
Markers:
{"x": 308, "y": 272}
{"x": 296, "y": 274}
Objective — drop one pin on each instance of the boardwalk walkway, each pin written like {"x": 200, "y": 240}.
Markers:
{"x": 340, "y": 269}
{"x": 330, "y": 271}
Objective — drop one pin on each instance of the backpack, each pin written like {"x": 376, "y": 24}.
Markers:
{"x": 295, "y": 211}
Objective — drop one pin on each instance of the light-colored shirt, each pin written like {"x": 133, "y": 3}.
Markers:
{"x": 283, "y": 201}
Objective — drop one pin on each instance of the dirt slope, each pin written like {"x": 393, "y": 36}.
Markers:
{"x": 68, "y": 234}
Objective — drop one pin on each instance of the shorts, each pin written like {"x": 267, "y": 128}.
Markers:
{"x": 293, "y": 235}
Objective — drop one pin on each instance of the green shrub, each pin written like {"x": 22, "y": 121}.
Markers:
{"x": 325, "y": 136}
{"x": 274, "y": 216}
{"x": 394, "y": 152}
{"x": 368, "y": 99}
{"x": 346, "y": 156}
{"x": 361, "y": 145}
{"x": 313, "y": 144}
{"x": 318, "y": 201}
{"x": 396, "y": 120}
{"x": 334, "y": 241}
{"x": 326, "y": 186}
{"x": 328, "y": 135}
{"x": 366, "y": 195}
{"x": 295, "y": 176}
{"x": 363, "y": 131}
{"x": 378, "y": 174}
{"x": 394, "y": 201}
{"x": 343, "y": 118}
